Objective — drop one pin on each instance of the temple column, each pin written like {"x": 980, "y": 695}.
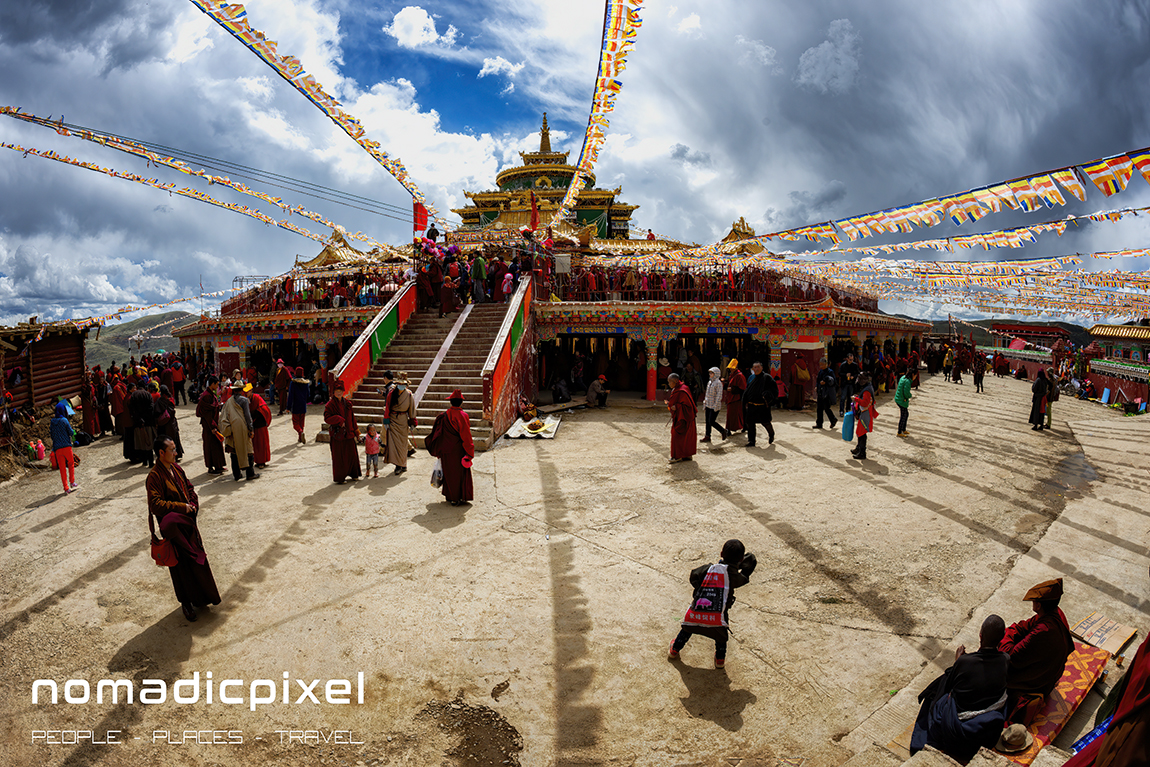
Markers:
{"x": 652, "y": 342}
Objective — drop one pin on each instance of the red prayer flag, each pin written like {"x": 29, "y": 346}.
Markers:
{"x": 534, "y": 213}
{"x": 420, "y": 216}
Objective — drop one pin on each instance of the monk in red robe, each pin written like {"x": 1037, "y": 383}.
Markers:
{"x": 261, "y": 417}
{"x": 683, "y": 413}
{"x": 119, "y": 411}
{"x": 450, "y": 441}
{"x": 208, "y": 411}
{"x": 344, "y": 432}
{"x": 736, "y": 385}
{"x": 173, "y": 507}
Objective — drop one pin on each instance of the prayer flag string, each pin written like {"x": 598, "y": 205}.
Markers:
{"x": 621, "y": 24}
{"x": 233, "y": 18}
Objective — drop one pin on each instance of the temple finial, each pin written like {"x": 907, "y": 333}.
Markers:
{"x": 545, "y": 136}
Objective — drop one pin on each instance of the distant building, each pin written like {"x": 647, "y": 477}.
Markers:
{"x": 1127, "y": 342}
{"x": 1039, "y": 335}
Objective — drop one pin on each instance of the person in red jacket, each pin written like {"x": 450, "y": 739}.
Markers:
{"x": 1038, "y": 647}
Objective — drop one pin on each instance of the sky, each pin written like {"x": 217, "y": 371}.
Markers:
{"x": 782, "y": 113}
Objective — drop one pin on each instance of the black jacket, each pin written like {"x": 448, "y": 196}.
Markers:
{"x": 761, "y": 390}
{"x": 825, "y": 381}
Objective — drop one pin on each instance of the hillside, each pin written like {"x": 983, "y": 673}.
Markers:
{"x": 1079, "y": 335}
{"x": 113, "y": 343}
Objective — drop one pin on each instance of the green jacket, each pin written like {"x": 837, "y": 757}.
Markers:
{"x": 902, "y": 393}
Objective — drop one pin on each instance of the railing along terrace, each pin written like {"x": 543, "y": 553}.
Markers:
{"x": 312, "y": 292}
{"x": 749, "y": 286}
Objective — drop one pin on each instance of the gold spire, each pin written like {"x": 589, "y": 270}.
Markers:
{"x": 545, "y": 136}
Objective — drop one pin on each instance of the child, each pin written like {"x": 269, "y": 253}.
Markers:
{"x": 508, "y": 282}
{"x": 714, "y": 594}
{"x": 62, "y": 436}
{"x": 371, "y": 441}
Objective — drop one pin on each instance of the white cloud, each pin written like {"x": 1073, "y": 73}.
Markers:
{"x": 760, "y": 53}
{"x": 831, "y": 66}
{"x": 414, "y": 27}
{"x": 500, "y": 65}
{"x": 690, "y": 24}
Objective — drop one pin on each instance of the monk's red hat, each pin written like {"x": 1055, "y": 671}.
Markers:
{"x": 457, "y": 394}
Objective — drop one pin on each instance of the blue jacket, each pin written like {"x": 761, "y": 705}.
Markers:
{"x": 299, "y": 393}
{"x": 61, "y": 432}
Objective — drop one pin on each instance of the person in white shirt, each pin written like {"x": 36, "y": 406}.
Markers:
{"x": 712, "y": 401}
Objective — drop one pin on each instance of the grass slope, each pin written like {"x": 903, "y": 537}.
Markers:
{"x": 113, "y": 343}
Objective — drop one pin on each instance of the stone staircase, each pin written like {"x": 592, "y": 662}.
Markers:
{"x": 412, "y": 352}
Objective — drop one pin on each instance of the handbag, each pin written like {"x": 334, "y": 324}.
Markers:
{"x": 163, "y": 552}
{"x": 849, "y": 426}
{"x": 52, "y": 460}
{"x": 437, "y": 474}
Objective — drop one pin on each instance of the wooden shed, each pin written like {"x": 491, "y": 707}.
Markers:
{"x": 41, "y": 362}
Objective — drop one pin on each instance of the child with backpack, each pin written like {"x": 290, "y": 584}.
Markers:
{"x": 714, "y": 594}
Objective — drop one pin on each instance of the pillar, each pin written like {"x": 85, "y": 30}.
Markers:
{"x": 652, "y": 342}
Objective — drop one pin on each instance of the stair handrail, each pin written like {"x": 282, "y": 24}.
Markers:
{"x": 357, "y": 351}
{"x": 502, "y": 339}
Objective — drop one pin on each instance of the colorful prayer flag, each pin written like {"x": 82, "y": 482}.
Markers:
{"x": 1103, "y": 177}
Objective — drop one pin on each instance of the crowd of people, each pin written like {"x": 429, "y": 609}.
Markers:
{"x": 751, "y": 285}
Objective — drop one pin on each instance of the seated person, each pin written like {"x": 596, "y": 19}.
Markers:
{"x": 1088, "y": 391}
{"x": 1038, "y": 647}
{"x": 597, "y": 392}
{"x": 963, "y": 709}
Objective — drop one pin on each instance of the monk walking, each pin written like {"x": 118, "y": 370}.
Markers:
{"x": 282, "y": 380}
{"x": 450, "y": 441}
{"x": 736, "y": 385}
{"x": 344, "y": 431}
{"x": 236, "y": 426}
{"x": 261, "y": 417}
{"x": 297, "y": 399}
{"x": 208, "y": 411}
{"x": 683, "y": 413}
{"x": 399, "y": 417}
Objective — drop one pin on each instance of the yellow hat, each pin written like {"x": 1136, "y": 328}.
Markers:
{"x": 1044, "y": 591}
{"x": 247, "y": 387}
{"x": 734, "y": 363}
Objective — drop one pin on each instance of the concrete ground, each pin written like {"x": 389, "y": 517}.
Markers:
{"x": 532, "y": 626}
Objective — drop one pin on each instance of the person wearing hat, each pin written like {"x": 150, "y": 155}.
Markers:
{"x": 282, "y": 382}
{"x": 399, "y": 418}
{"x": 736, "y": 385}
{"x": 339, "y": 415}
{"x": 261, "y": 417}
{"x": 1038, "y": 647}
{"x": 712, "y": 401}
{"x": 597, "y": 392}
{"x": 963, "y": 709}
{"x": 236, "y": 426}
{"x": 681, "y": 403}
{"x": 208, "y": 411}
{"x": 299, "y": 393}
{"x": 450, "y": 441}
